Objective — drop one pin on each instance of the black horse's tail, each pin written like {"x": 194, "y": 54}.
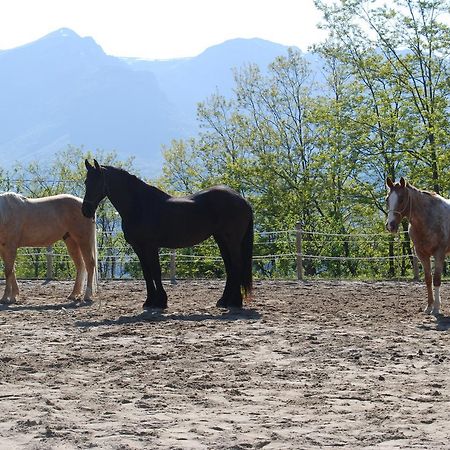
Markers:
{"x": 247, "y": 259}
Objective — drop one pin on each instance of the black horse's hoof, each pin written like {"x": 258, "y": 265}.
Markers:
{"x": 221, "y": 303}
{"x": 152, "y": 309}
{"x": 224, "y": 303}
{"x": 235, "y": 305}
{"x": 156, "y": 303}
{"x": 154, "y": 306}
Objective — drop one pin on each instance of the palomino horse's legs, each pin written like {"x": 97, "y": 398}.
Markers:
{"x": 89, "y": 261}
{"x": 11, "y": 288}
{"x": 75, "y": 254}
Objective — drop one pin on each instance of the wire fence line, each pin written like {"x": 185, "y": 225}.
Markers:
{"x": 291, "y": 253}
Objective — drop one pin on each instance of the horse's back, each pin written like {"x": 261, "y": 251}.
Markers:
{"x": 226, "y": 206}
{"x": 47, "y": 219}
{"x": 219, "y": 196}
{"x": 59, "y": 199}
{"x": 216, "y": 197}
{"x": 186, "y": 221}
{"x": 431, "y": 233}
{"x": 56, "y": 207}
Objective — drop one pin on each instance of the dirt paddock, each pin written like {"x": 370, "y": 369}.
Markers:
{"x": 305, "y": 365}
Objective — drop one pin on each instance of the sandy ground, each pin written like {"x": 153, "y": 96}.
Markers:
{"x": 305, "y": 365}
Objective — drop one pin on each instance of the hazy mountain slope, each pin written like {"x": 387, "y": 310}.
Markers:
{"x": 63, "y": 89}
{"x": 191, "y": 80}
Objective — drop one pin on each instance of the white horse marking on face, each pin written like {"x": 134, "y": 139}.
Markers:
{"x": 392, "y": 205}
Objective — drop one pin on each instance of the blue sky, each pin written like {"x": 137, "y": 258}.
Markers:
{"x": 159, "y": 29}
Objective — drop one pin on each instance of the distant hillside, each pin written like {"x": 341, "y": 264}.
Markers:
{"x": 63, "y": 89}
{"x": 191, "y": 80}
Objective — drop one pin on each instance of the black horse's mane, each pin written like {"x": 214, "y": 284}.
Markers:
{"x": 140, "y": 184}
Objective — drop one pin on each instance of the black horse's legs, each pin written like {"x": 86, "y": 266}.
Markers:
{"x": 235, "y": 296}
{"x": 232, "y": 296}
{"x": 143, "y": 259}
{"x": 223, "y": 301}
{"x": 160, "y": 298}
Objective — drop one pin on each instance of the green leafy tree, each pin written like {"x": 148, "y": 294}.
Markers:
{"x": 403, "y": 47}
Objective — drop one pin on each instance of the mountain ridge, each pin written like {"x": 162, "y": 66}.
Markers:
{"x": 63, "y": 89}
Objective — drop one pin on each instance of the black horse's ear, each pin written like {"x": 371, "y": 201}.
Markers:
{"x": 97, "y": 165}
{"x": 402, "y": 182}
{"x": 88, "y": 164}
{"x": 389, "y": 183}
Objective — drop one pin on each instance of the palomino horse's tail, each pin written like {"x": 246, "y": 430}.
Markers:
{"x": 94, "y": 254}
{"x": 247, "y": 260}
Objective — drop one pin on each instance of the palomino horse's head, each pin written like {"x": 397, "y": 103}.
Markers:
{"x": 95, "y": 188}
{"x": 398, "y": 203}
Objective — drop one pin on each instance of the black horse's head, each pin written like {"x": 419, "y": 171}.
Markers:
{"x": 95, "y": 188}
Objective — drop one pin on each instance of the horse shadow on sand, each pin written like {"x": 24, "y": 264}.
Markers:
{"x": 442, "y": 323}
{"x": 70, "y": 304}
{"x": 163, "y": 316}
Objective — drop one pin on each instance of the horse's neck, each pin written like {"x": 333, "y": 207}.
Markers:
{"x": 124, "y": 190}
{"x": 119, "y": 191}
{"x": 419, "y": 205}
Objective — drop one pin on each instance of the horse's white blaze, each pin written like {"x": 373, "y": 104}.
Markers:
{"x": 392, "y": 205}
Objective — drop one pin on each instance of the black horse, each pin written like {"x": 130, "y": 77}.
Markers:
{"x": 152, "y": 219}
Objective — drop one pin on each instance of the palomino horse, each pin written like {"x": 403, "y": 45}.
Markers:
{"x": 429, "y": 229}
{"x": 40, "y": 222}
{"x": 152, "y": 219}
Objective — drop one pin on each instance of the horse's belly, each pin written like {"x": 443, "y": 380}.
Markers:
{"x": 183, "y": 240}
{"x": 36, "y": 243}
{"x": 175, "y": 233}
{"x": 40, "y": 238}
{"x": 173, "y": 242}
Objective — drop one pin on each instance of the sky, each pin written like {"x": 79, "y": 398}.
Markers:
{"x": 161, "y": 29}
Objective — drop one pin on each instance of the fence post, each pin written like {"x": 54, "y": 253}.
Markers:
{"x": 298, "y": 235}
{"x": 49, "y": 256}
{"x": 173, "y": 267}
